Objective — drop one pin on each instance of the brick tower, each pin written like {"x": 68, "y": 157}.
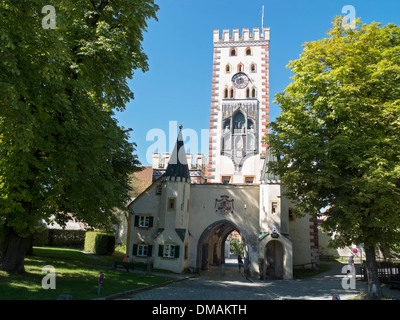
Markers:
{"x": 239, "y": 106}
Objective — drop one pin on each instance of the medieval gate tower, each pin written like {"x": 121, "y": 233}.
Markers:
{"x": 181, "y": 222}
{"x": 239, "y": 105}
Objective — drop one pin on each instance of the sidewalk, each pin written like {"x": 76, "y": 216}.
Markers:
{"x": 321, "y": 287}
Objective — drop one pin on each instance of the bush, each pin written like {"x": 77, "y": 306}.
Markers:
{"x": 99, "y": 243}
{"x": 66, "y": 238}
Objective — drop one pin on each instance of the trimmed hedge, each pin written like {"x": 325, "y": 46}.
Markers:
{"x": 59, "y": 238}
{"x": 99, "y": 243}
{"x": 66, "y": 238}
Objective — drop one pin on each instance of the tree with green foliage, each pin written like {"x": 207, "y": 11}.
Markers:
{"x": 236, "y": 247}
{"x": 338, "y": 136}
{"x": 61, "y": 148}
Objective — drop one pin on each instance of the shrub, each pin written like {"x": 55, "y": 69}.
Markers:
{"x": 99, "y": 243}
{"x": 66, "y": 238}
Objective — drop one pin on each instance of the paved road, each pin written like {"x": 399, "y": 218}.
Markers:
{"x": 209, "y": 286}
{"x": 233, "y": 286}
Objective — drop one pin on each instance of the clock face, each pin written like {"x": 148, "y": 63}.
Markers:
{"x": 240, "y": 80}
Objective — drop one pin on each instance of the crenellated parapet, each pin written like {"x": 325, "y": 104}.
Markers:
{"x": 197, "y": 166}
{"x": 235, "y": 38}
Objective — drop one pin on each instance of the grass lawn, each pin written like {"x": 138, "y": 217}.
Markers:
{"x": 301, "y": 274}
{"x": 77, "y": 274}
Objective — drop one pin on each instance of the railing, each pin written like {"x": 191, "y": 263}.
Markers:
{"x": 386, "y": 270}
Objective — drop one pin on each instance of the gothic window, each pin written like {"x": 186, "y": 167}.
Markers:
{"x": 232, "y": 93}
{"x": 240, "y": 67}
{"x": 247, "y": 93}
{"x": 228, "y": 68}
{"x": 239, "y": 121}
{"x": 226, "y": 93}
{"x": 227, "y": 124}
{"x": 253, "y": 93}
{"x": 253, "y": 67}
{"x": 250, "y": 125}
{"x": 248, "y": 52}
{"x": 232, "y": 52}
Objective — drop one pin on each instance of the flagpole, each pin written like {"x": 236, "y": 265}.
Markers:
{"x": 262, "y": 19}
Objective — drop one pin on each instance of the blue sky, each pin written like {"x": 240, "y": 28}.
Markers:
{"x": 179, "y": 46}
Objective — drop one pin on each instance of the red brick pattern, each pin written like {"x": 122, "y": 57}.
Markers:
{"x": 265, "y": 94}
{"x": 213, "y": 115}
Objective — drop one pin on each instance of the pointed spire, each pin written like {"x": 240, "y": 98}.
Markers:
{"x": 178, "y": 169}
{"x": 266, "y": 176}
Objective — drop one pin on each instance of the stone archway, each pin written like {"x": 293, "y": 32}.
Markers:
{"x": 273, "y": 257}
{"x": 211, "y": 245}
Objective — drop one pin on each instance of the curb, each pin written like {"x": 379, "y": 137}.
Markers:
{"x": 137, "y": 290}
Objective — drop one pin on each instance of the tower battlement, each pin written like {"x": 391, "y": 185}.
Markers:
{"x": 235, "y": 36}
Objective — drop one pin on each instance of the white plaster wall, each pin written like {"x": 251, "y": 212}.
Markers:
{"x": 300, "y": 235}
{"x": 147, "y": 203}
{"x": 202, "y": 212}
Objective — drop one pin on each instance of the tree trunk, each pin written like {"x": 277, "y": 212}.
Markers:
{"x": 374, "y": 284}
{"x": 128, "y": 235}
{"x": 12, "y": 253}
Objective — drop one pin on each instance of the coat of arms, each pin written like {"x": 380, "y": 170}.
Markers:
{"x": 224, "y": 206}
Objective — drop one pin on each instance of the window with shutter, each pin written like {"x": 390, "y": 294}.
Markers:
{"x": 142, "y": 250}
{"x": 169, "y": 251}
{"x": 144, "y": 221}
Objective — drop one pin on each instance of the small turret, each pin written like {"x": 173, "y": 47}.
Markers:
{"x": 178, "y": 169}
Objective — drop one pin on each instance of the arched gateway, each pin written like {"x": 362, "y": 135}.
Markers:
{"x": 180, "y": 222}
{"x": 211, "y": 244}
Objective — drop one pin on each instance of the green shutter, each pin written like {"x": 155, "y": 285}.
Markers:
{"x": 134, "y": 251}
{"x": 149, "y": 250}
{"x": 136, "y": 224}
{"x": 160, "y": 250}
{"x": 177, "y": 251}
